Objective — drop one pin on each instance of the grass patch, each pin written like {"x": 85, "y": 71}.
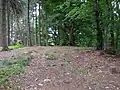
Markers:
{"x": 51, "y": 57}
{"x": 17, "y": 46}
{"x": 12, "y": 67}
{"x": 80, "y": 70}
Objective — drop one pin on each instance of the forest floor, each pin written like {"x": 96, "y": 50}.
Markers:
{"x": 65, "y": 68}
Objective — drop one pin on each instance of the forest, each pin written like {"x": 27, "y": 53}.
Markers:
{"x": 83, "y": 33}
{"x": 83, "y": 23}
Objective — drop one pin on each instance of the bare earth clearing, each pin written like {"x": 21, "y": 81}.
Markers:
{"x": 66, "y": 68}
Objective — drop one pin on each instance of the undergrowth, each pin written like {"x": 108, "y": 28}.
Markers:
{"x": 12, "y": 67}
{"x": 17, "y": 46}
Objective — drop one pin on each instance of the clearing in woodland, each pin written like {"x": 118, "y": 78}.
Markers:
{"x": 63, "y": 68}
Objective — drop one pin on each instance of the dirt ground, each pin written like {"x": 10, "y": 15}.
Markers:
{"x": 66, "y": 68}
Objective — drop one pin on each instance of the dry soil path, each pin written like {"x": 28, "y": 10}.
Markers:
{"x": 66, "y": 68}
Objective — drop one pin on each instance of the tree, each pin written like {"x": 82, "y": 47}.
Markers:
{"x": 3, "y": 27}
{"x": 15, "y": 5}
{"x": 92, "y": 23}
{"x": 29, "y": 34}
{"x": 98, "y": 22}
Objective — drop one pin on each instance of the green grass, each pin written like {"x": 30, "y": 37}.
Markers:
{"x": 17, "y": 46}
{"x": 12, "y": 67}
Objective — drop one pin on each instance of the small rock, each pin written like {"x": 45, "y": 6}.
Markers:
{"x": 90, "y": 88}
{"x": 117, "y": 88}
{"x": 68, "y": 73}
{"x": 47, "y": 80}
{"x": 62, "y": 64}
{"x": 54, "y": 65}
{"x": 100, "y": 71}
{"x": 36, "y": 79}
{"x": 40, "y": 84}
{"x": 35, "y": 88}
{"x": 25, "y": 52}
{"x": 107, "y": 87}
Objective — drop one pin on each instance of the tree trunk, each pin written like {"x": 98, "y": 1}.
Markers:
{"x": 36, "y": 24}
{"x": 29, "y": 30}
{"x": 71, "y": 36}
{"x": 62, "y": 36}
{"x": 0, "y": 22}
{"x": 107, "y": 25}
{"x": 11, "y": 25}
{"x": 4, "y": 30}
{"x": 112, "y": 32}
{"x": 8, "y": 19}
{"x": 118, "y": 29}
{"x": 99, "y": 30}
{"x": 39, "y": 25}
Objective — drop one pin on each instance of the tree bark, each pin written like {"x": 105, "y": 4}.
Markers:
{"x": 99, "y": 30}
{"x": 71, "y": 37}
{"x": 29, "y": 30}
{"x": 36, "y": 24}
{"x": 4, "y": 30}
{"x": 0, "y": 22}
{"x": 39, "y": 24}
{"x": 8, "y": 19}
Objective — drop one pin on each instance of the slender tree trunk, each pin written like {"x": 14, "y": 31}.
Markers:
{"x": 62, "y": 36}
{"x": 11, "y": 25}
{"x": 112, "y": 32}
{"x": 107, "y": 29}
{"x": 32, "y": 26}
{"x": 39, "y": 25}
{"x": 36, "y": 24}
{"x": 71, "y": 36}
{"x": 4, "y": 30}
{"x": 8, "y": 19}
{"x": 118, "y": 29}
{"x": 19, "y": 29}
{"x": 58, "y": 35}
{"x": 55, "y": 36}
{"x": 99, "y": 31}
{"x": 46, "y": 30}
{"x": 110, "y": 23}
{"x": 0, "y": 22}
{"x": 29, "y": 33}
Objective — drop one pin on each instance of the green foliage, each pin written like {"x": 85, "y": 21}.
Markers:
{"x": 17, "y": 46}
{"x": 74, "y": 18}
{"x": 12, "y": 67}
{"x": 84, "y": 23}
{"x": 78, "y": 19}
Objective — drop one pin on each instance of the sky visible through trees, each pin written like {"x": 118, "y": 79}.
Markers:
{"x": 83, "y": 23}
{"x": 65, "y": 44}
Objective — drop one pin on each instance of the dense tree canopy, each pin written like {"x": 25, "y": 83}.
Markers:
{"x": 91, "y": 23}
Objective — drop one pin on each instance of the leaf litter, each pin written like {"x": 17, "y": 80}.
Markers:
{"x": 73, "y": 69}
